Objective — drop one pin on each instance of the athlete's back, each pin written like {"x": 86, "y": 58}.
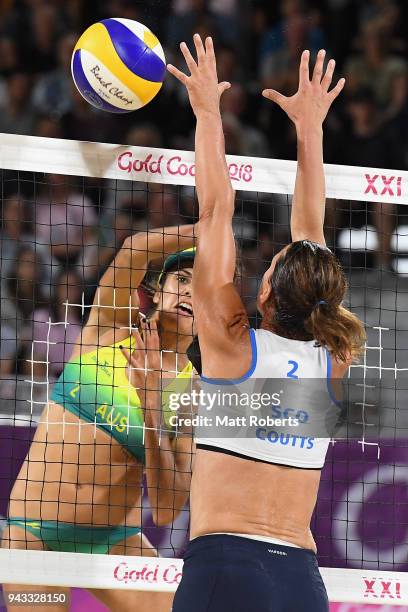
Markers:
{"x": 297, "y": 375}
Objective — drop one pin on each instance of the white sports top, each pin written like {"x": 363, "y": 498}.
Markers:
{"x": 276, "y": 357}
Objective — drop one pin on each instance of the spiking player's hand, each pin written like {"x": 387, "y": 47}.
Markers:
{"x": 202, "y": 85}
{"x": 144, "y": 362}
{"x": 312, "y": 101}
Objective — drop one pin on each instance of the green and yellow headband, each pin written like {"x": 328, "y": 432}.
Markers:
{"x": 176, "y": 260}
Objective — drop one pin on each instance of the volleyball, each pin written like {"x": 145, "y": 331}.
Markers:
{"x": 118, "y": 65}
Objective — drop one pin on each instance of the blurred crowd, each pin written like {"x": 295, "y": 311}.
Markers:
{"x": 258, "y": 44}
{"x": 58, "y": 234}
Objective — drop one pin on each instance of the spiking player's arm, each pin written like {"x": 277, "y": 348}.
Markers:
{"x": 168, "y": 458}
{"x": 308, "y": 109}
{"x": 220, "y": 315}
{"x": 127, "y": 270}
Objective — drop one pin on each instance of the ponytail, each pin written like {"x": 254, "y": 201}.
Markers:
{"x": 337, "y": 329}
{"x": 308, "y": 289}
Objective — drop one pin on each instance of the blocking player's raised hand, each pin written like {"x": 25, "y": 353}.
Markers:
{"x": 312, "y": 101}
{"x": 203, "y": 88}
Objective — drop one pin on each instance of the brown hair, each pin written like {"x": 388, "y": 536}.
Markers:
{"x": 308, "y": 287}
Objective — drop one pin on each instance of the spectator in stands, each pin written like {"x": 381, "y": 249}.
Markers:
{"x": 222, "y": 7}
{"x": 163, "y": 207}
{"x": 44, "y": 28}
{"x": 47, "y": 127}
{"x": 384, "y": 12}
{"x": 279, "y": 67}
{"x": 198, "y": 16}
{"x": 116, "y": 225}
{"x": 252, "y": 140}
{"x": 26, "y": 282}
{"x": 228, "y": 65}
{"x": 84, "y": 122}
{"x": 144, "y": 135}
{"x": 65, "y": 220}
{"x": 26, "y": 290}
{"x": 392, "y": 19}
{"x": 340, "y": 26}
{"x": 8, "y": 349}
{"x": 369, "y": 143}
{"x": 128, "y": 9}
{"x": 280, "y": 47}
{"x": 378, "y": 68}
{"x": 57, "y": 327}
{"x": 31, "y": 375}
{"x": 8, "y": 56}
{"x": 52, "y": 94}
{"x": 16, "y": 112}
{"x": 127, "y": 220}
{"x": 17, "y": 228}
{"x": 74, "y": 13}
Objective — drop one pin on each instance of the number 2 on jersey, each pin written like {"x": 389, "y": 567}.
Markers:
{"x": 295, "y": 367}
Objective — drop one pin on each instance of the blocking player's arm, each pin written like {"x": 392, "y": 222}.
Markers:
{"x": 308, "y": 109}
{"x": 127, "y": 270}
{"x": 218, "y": 310}
{"x": 309, "y": 199}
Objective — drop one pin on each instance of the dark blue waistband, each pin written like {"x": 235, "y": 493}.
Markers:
{"x": 257, "y": 546}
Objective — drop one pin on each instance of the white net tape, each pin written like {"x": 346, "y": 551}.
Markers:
{"x": 158, "y": 574}
{"x": 100, "y": 160}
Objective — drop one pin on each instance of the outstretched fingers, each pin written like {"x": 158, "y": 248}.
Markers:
{"x": 222, "y": 87}
{"x": 274, "y": 96}
{"x": 134, "y": 358}
{"x": 318, "y": 69}
{"x": 183, "y": 78}
{"x": 126, "y": 354}
{"x": 151, "y": 335}
{"x": 336, "y": 90}
{"x": 139, "y": 344}
{"x": 198, "y": 43}
{"x": 137, "y": 356}
{"x": 328, "y": 77}
{"x": 203, "y": 53}
{"x": 304, "y": 77}
{"x": 209, "y": 51}
{"x": 190, "y": 61}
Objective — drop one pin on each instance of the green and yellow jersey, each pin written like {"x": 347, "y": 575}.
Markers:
{"x": 95, "y": 387}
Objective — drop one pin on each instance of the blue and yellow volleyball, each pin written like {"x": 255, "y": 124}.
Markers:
{"x": 118, "y": 65}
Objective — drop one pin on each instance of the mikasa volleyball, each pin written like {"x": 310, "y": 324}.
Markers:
{"x": 118, "y": 65}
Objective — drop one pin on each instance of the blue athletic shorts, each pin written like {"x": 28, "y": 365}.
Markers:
{"x": 225, "y": 573}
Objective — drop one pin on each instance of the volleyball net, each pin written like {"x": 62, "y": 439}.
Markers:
{"x": 67, "y": 208}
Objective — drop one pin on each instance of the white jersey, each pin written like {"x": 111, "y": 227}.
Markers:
{"x": 276, "y": 357}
